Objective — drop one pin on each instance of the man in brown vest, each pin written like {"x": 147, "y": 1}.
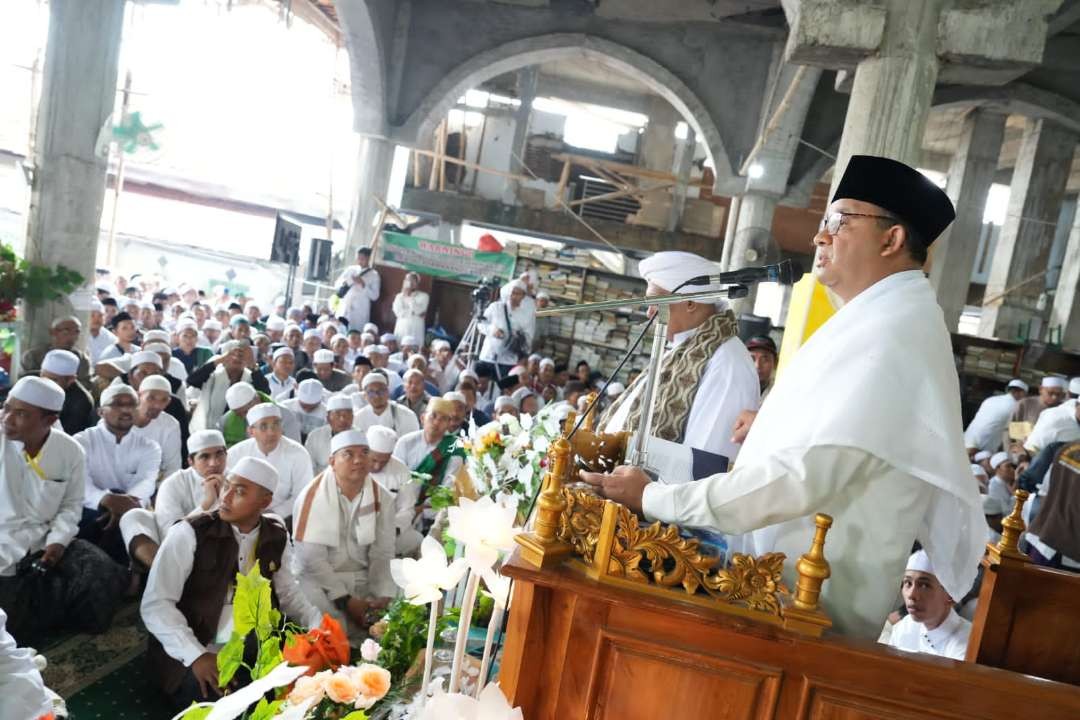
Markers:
{"x": 187, "y": 606}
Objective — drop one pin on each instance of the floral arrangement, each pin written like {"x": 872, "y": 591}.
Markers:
{"x": 32, "y": 282}
{"x": 506, "y": 457}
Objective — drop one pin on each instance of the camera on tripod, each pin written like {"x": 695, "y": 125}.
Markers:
{"x": 485, "y": 292}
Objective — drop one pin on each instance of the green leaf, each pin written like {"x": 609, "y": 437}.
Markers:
{"x": 356, "y": 715}
{"x": 449, "y": 546}
{"x": 275, "y": 617}
{"x": 252, "y": 604}
{"x": 441, "y": 497}
{"x": 196, "y": 713}
{"x": 229, "y": 658}
{"x": 265, "y": 710}
{"x": 269, "y": 657}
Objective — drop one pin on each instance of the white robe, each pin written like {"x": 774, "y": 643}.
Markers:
{"x": 129, "y": 467}
{"x": 309, "y": 421}
{"x": 165, "y": 431}
{"x": 412, "y": 448}
{"x": 34, "y": 511}
{"x": 291, "y": 461}
{"x": 989, "y": 423}
{"x": 179, "y": 496}
{"x": 170, "y": 573}
{"x": 494, "y": 349}
{"x": 864, "y": 425}
{"x": 949, "y": 639}
{"x": 1056, "y": 424}
{"x": 96, "y": 344}
{"x": 356, "y": 305}
{"x": 729, "y": 384}
{"x": 21, "y": 686}
{"x": 281, "y": 389}
{"x": 396, "y": 479}
{"x": 410, "y": 311}
{"x": 396, "y": 416}
{"x": 318, "y": 448}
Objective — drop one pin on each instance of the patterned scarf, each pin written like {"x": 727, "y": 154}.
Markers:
{"x": 680, "y": 374}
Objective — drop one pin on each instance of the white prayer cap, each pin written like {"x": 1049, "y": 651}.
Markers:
{"x": 382, "y": 439}
{"x": 467, "y": 373}
{"x": 263, "y": 411}
{"x": 251, "y": 304}
{"x": 920, "y": 562}
{"x": 275, "y": 323}
{"x": 505, "y": 401}
{"x": 122, "y": 363}
{"x": 1074, "y": 386}
{"x": 323, "y": 356}
{"x": 998, "y": 459}
{"x": 289, "y": 327}
{"x": 147, "y": 357}
{"x": 373, "y": 378}
{"x": 440, "y": 345}
{"x": 60, "y": 362}
{"x": 155, "y": 382}
{"x": 283, "y": 351}
{"x": 547, "y": 362}
{"x": 109, "y": 394}
{"x": 202, "y": 439}
{"x": 187, "y": 324}
{"x": 615, "y": 389}
{"x": 671, "y": 268}
{"x": 157, "y": 347}
{"x": 155, "y": 336}
{"x": 992, "y": 505}
{"x": 543, "y": 294}
{"x": 310, "y": 391}
{"x": 520, "y": 394}
{"x": 1053, "y": 381}
{"x": 346, "y": 439}
{"x": 239, "y": 394}
{"x": 257, "y": 471}
{"x": 978, "y": 471}
{"x": 981, "y": 455}
{"x": 536, "y": 356}
{"x": 310, "y": 333}
{"x": 229, "y": 346}
{"x": 506, "y": 290}
{"x": 39, "y": 392}
{"x": 385, "y": 337}
{"x": 409, "y": 340}
{"x": 339, "y": 402}
{"x": 410, "y": 372}
{"x": 455, "y": 396}
{"x": 96, "y": 306}
{"x": 371, "y": 328}
{"x": 377, "y": 350}
{"x": 1018, "y": 384}
{"x": 211, "y": 324}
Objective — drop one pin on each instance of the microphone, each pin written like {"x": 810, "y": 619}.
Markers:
{"x": 785, "y": 272}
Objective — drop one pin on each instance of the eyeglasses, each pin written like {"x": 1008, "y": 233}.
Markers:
{"x": 831, "y": 223}
{"x": 378, "y": 392}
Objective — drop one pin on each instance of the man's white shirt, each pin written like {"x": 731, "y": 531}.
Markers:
{"x": 291, "y": 461}
{"x": 165, "y": 431}
{"x": 395, "y": 416}
{"x": 129, "y": 467}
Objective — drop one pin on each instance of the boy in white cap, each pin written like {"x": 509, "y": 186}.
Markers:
{"x": 931, "y": 625}
{"x": 339, "y": 418}
{"x": 308, "y": 406}
{"x": 381, "y": 410}
{"x": 1002, "y": 483}
{"x": 323, "y": 370}
{"x": 42, "y": 485}
{"x": 187, "y": 606}
{"x": 61, "y": 366}
{"x": 239, "y": 398}
{"x": 393, "y": 476}
{"x": 153, "y": 423}
{"x": 121, "y": 470}
{"x": 282, "y": 383}
{"x": 344, "y": 531}
{"x": 188, "y": 492}
{"x": 991, "y": 421}
{"x": 288, "y": 457}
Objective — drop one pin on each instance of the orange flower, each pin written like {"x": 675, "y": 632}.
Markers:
{"x": 323, "y": 647}
{"x": 340, "y": 688}
{"x": 372, "y": 680}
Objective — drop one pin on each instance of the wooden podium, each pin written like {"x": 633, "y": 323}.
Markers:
{"x": 611, "y": 620}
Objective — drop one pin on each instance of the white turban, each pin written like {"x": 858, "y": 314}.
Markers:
{"x": 155, "y": 382}
{"x": 408, "y": 340}
{"x": 615, "y": 389}
{"x": 920, "y": 562}
{"x": 146, "y": 357}
{"x": 504, "y": 401}
{"x": 506, "y": 290}
{"x": 275, "y": 323}
{"x": 382, "y": 439}
{"x": 257, "y": 471}
{"x": 377, "y": 350}
{"x": 998, "y": 459}
{"x": 323, "y": 357}
{"x": 310, "y": 391}
{"x": 1074, "y": 386}
{"x": 982, "y": 455}
{"x": 1017, "y": 383}
{"x": 373, "y": 378}
{"x": 157, "y": 347}
{"x": 339, "y": 402}
{"x": 39, "y": 392}
{"x": 671, "y": 268}
{"x": 203, "y": 439}
{"x": 261, "y": 412}
{"x": 440, "y": 345}
{"x": 978, "y": 471}
{"x": 455, "y": 396}
{"x": 371, "y": 328}
{"x": 1053, "y": 381}
{"x": 239, "y": 394}
{"x": 282, "y": 352}
{"x": 346, "y": 439}
{"x": 60, "y": 362}
{"x": 116, "y": 390}
{"x": 155, "y": 336}
{"x": 211, "y": 324}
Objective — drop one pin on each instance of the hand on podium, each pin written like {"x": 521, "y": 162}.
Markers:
{"x": 625, "y": 485}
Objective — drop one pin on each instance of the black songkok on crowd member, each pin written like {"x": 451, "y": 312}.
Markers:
{"x": 900, "y": 189}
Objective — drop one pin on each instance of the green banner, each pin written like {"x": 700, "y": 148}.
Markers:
{"x": 445, "y": 260}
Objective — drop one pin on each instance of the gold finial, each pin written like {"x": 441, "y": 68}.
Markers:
{"x": 812, "y": 567}
{"x": 1012, "y": 527}
{"x": 542, "y": 547}
{"x": 568, "y": 423}
{"x": 590, "y": 418}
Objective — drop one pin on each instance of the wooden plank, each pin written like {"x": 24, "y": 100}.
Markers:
{"x": 618, "y": 194}
{"x": 564, "y": 178}
{"x": 621, "y": 168}
{"x": 466, "y": 163}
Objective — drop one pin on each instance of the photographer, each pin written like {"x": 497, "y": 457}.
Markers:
{"x": 507, "y": 325}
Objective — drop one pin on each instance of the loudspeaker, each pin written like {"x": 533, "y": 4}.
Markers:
{"x": 286, "y": 247}
{"x": 318, "y": 261}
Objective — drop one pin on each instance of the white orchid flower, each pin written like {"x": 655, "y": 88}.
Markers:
{"x": 369, "y": 649}
{"x": 296, "y": 712}
{"x": 498, "y": 586}
{"x": 526, "y": 422}
{"x": 234, "y": 704}
{"x": 485, "y": 528}
{"x": 491, "y": 705}
{"x": 424, "y": 580}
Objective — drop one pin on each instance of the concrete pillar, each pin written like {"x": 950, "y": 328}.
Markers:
{"x": 752, "y": 240}
{"x": 893, "y": 88}
{"x": 526, "y": 82}
{"x": 658, "y": 139}
{"x": 971, "y": 172}
{"x": 1066, "y": 310}
{"x": 78, "y": 94}
{"x": 684, "y": 161}
{"x": 374, "y": 158}
{"x": 1023, "y": 250}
